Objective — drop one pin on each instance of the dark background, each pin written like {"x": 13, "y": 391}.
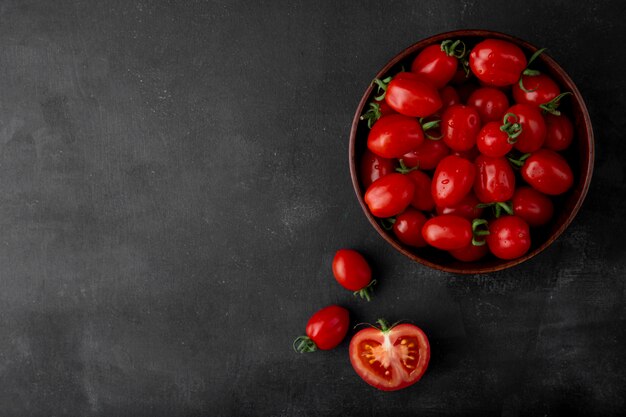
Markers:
{"x": 174, "y": 183}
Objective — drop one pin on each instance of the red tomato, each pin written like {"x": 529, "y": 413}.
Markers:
{"x": 447, "y": 232}
{"x": 325, "y": 330}
{"x": 460, "y": 124}
{"x": 422, "y": 198}
{"x": 351, "y": 270}
{"x": 453, "y": 180}
{"x": 470, "y": 154}
{"x": 531, "y": 206}
{"x": 390, "y": 358}
{"x": 389, "y": 195}
{"x": 411, "y": 95}
{"x": 470, "y": 253}
{"x": 449, "y": 97}
{"x": 548, "y": 172}
{"x": 533, "y": 127}
{"x": 467, "y": 208}
{"x": 427, "y": 156}
{"x": 393, "y": 136}
{"x": 435, "y": 64}
{"x": 495, "y": 179}
{"x": 408, "y": 227}
{"x": 374, "y": 167}
{"x": 559, "y": 132}
{"x": 509, "y": 237}
{"x": 492, "y": 141}
{"x": 541, "y": 89}
{"x": 490, "y": 103}
{"x": 496, "y": 62}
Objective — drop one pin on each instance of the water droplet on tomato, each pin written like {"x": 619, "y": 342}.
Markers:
{"x": 376, "y": 166}
{"x": 445, "y": 181}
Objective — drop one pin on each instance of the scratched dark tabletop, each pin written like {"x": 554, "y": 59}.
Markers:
{"x": 174, "y": 183}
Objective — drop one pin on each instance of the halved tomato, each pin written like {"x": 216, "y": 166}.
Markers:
{"x": 390, "y": 358}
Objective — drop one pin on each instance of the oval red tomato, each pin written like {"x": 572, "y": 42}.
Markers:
{"x": 435, "y": 65}
{"x": 427, "y": 156}
{"x": 496, "y": 62}
{"x": 460, "y": 125}
{"x": 447, "y": 232}
{"x": 394, "y": 135}
{"x": 466, "y": 208}
{"x": 533, "y": 127}
{"x": 509, "y": 237}
{"x": 453, "y": 180}
{"x": 548, "y": 172}
{"x": 411, "y": 95}
{"x": 495, "y": 179}
{"x": 352, "y": 271}
{"x": 531, "y": 206}
{"x": 490, "y": 103}
{"x": 540, "y": 90}
{"x": 374, "y": 167}
{"x": 390, "y": 359}
{"x": 324, "y": 330}
{"x": 389, "y": 195}
{"x": 408, "y": 227}
{"x": 559, "y": 132}
{"x": 493, "y": 141}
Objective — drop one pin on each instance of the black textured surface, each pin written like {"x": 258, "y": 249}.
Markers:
{"x": 174, "y": 183}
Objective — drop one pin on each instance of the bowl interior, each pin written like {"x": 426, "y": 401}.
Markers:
{"x": 579, "y": 155}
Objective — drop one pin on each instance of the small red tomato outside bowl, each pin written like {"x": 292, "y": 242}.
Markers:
{"x": 580, "y": 155}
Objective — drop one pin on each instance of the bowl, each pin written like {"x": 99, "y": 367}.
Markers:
{"x": 580, "y": 155}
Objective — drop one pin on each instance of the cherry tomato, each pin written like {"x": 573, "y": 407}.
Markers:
{"x": 492, "y": 141}
{"x": 389, "y": 195}
{"x": 533, "y": 127}
{"x": 531, "y": 206}
{"x": 460, "y": 124}
{"x": 541, "y": 89}
{"x": 447, "y": 232}
{"x": 394, "y": 135}
{"x": 422, "y": 198}
{"x": 352, "y": 272}
{"x": 390, "y": 358}
{"x": 408, "y": 227}
{"x": 509, "y": 237}
{"x": 495, "y": 179}
{"x": 548, "y": 172}
{"x": 496, "y": 62}
{"x": 453, "y": 180}
{"x": 470, "y": 253}
{"x": 559, "y": 132}
{"x": 411, "y": 95}
{"x": 449, "y": 97}
{"x": 435, "y": 64}
{"x": 490, "y": 103}
{"x": 467, "y": 208}
{"x": 374, "y": 167}
{"x": 427, "y": 156}
{"x": 324, "y": 330}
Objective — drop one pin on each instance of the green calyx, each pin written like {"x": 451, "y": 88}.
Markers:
{"x": 433, "y": 124}
{"x": 387, "y": 223}
{"x": 372, "y": 114}
{"x": 519, "y": 162}
{"x": 498, "y": 208}
{"x": 366, "y": 293}
{"x": 455, "y": 48}
{"x": 530, "y": 72}
{"x": 512, "y": 128}
{"x": 304, "y": 344}
{"x": 553, "y": 105}
{"x": 382, "y": 86}
{"x": 384, "y": 325}
{"x": 403, "y": 169}
{"x": 480, "y": 229}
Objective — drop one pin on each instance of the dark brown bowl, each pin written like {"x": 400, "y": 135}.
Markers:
{"x": 580, "y": 155}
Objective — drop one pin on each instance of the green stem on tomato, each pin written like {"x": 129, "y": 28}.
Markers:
{"x": 530, "y": 72}
{"x": 477, "y": 233}
{"x": 552, "y": 105}
{"x": 304, "y": 344}
{"x": 366, "y": 292}
{"x": 512, "y": 129}
{"x": 382, "y": 85}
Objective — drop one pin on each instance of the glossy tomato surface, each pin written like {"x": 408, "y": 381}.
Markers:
{"x": 447, "y": 232}
{"x": 548, "y": 172}
{"x": 351, "y": 270}
{"x": 390, "y": 360}
{"x": 427, "y": 155}
{"x": 460, "y": 125}
{"x": 533, "y": 127}
{"x": 411, "y": 95}
{"x": 509, "y": 237}
{"x": 540, "y": 90}
{"x": 492, "y": 141}
{"x": 390, "y": 195}
{"x": 328, "y": 327}
{"x": 533, "y": 207}
{"x": 394, "y": 135}
{"x": 466, "y": 208}
{"x": 559, "y": 132}
{"x": 408, "y": 227}
{"x": 453, "y": 180}
{"x": 495, "y": 179}
{"x": 374, "y": 167}
{"x": 490, "y": 103}
{"x": 435, "y": 65}
{"x": 496, "y": 62}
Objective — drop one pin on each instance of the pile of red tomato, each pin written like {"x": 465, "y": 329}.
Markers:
{"x": 463, "y": 152}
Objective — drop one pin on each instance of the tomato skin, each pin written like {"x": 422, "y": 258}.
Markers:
{"x": 467, "y": 208}
{"x": 427, "y": 156}
{"x": 492, "y": 141}
{"x": 495, "y": 179}
{"x": 389, "y": 195}
{"x": 470, "y": 253}
{"x": 351, "y": 270}
{"x": 559, "y": 132}
{"x": 533, "y": 127}
{"x": 447, "y": 232}
{"x": 541, "y": 89}
{"x": 496, "y": 62}
{"x": 449, "y": 97}
{"x": 509, "y": 237}
{"x": 422, "y": 198}
{"x": 408, "y": 228}
{"x": 373, "y": 344}
{"x": 548, "y": 172}
{"x": 453, "y": 180}
{"x": 435, "y": 65}
{"x": 460, "y": 124}
{"x": 374, "y": 167}
{"x": 470, "y": 154}
{"x": 328, "y": 327}
{"x": 531, "y": 206}
{"x": 490, "y": 103}
{"x": 411, "y": 95}
{"x": 394, "y": 135}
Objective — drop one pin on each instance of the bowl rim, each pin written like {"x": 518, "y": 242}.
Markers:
{"x": 472, "y": 268}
